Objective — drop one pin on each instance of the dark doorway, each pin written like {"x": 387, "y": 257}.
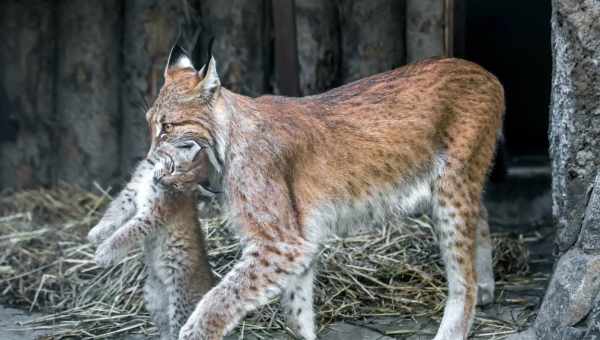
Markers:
{"x": 511, "y": 38}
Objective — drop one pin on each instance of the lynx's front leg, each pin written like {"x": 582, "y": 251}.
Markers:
{"x": 275, "y": 253}
{"x": 262, "y": 273}
{"x": 297, "y": 303}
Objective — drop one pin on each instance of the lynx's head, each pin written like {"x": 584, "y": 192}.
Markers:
{"x": 188, "y": 107}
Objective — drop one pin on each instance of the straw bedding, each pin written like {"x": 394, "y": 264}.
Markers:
{"x": 47, "y": 265}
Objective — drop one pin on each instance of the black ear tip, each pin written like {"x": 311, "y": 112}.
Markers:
{"x": 209, "y": 49}
{"x": 208, "y": 54}
{"x": 210, "y": 45}
{"x": 177, "y": 52}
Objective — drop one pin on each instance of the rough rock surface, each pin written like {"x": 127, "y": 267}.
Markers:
{"x": 570, "y": 309}
{"x": 575, "y": 111}
{"x": 570, "y": 296}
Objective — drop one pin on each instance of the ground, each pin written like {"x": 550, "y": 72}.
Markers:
{"x": 522, "y": 202}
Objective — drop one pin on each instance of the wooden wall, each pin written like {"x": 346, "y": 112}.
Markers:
{"x": 75, "y": 75}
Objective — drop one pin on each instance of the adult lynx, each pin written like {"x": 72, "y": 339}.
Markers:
{"x": 295, "y": 169}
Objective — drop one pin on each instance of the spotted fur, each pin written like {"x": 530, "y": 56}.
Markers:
{"x": 295, "y": 169}
{"x": 166, "y": 219}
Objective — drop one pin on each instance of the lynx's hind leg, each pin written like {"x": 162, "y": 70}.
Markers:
{"x": 484, "y": 263}
{"x": 297, "y": 303}
{"x": 456, "y": 214}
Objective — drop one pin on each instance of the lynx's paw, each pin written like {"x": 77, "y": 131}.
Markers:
{"x": 485, "y": 293}
{"x": 107, "y": 255}
{"x": 190, "y": 331}
{"x": 198, "y": 326}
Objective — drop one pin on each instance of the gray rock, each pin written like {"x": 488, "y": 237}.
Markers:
{"x": 9, "y": 325}
{"x": 568, "y": 311}
{"x": 526, "y": 335}
{"x": 346, "y": 331}
{"x": 575, "y": 111}
{"x": 589, "y": 239}
{"x": 570, "y": 296}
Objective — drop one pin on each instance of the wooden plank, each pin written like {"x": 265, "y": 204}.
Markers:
{"x": 27, "y": 41}
{"x": 425, "y": 34}
{"x": 373, "y": 37}
{"x": 240, "y": 32}
{"x": 318, "y": 39}
{"x": 87, "y": 93}
{"x": 150, "y": 29}
{"x": 286, "y": 50}
{"x": 448, "y": 28}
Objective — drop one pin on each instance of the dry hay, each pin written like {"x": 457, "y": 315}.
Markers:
{"x": 47, "y": 265}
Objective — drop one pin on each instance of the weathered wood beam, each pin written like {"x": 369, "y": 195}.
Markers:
{"x": 286, "y": 49}
{"x": 27, "y": 46}
{"x": 88, "y": 89}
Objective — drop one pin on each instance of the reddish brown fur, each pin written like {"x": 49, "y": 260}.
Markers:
{"x": 284, "y": 157}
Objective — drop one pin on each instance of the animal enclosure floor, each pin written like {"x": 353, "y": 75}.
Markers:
{"x": 521, "y": 206}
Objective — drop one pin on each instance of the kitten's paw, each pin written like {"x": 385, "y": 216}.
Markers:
{"x": 159, "y": 174}
{"x": 100, "y": 232}
{"x": 107, "y": 256}
{"x": 168, "y": 180}
{"x": 164, "y": 168}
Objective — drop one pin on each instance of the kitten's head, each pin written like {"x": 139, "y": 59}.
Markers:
{"x": 182, "y": 164}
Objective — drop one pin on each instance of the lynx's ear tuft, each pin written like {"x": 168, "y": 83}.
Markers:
{"x": 210, "y": 81}
{"x": 210, "y": 78}
{"x": 178, "y": 59}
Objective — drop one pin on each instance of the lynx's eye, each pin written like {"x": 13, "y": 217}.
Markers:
{"x": 164, "y": 130}
{"x": 188, "y": 145}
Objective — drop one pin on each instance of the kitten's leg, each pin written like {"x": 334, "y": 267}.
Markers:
{"x": 156, "y": 304}
{"x": 297, "y": 303}
{"x": 115, "y": 248}
{"x": 118, "y": 211}
{"x": 484, "y": 263}
{"x": 186, "y": 271}
{"x": 123, "y": 207}
{"x": 261, "y": 274}
{"x": 180, "y": 305}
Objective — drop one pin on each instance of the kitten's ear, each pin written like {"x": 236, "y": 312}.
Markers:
{"x": 178, "y": 59}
